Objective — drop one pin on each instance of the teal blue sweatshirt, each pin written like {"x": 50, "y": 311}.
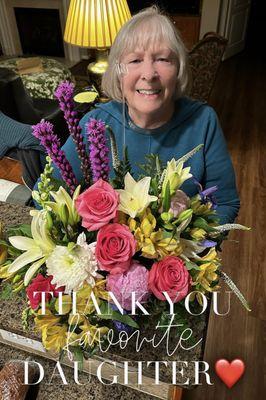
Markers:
{"x": 193, "y": 123}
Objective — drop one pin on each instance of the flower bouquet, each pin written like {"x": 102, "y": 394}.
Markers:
{"x": 111, "y": 255}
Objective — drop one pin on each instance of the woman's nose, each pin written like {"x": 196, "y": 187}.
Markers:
{"x": 148, "y": 71}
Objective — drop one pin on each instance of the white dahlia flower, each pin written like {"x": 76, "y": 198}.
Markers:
{"x": 72, "y": 267}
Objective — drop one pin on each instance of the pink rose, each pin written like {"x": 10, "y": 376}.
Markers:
{"x": 115, "y": 247}
{"x": 97, "y": 205}
{"x": 169, "y": 275}
{"x": 41, "y": 284}
{"x": 133, "y": 280}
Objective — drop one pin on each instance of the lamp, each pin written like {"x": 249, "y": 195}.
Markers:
{"x": 94, "y": 24}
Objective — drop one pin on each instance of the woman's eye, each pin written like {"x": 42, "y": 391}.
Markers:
{"x": 136, "y": 61}
{"x": 163, "y": 59}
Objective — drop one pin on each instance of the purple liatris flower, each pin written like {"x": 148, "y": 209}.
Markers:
{"x": 44, "y": 132}
{"x": 64, "y": 93}
{"x": 98, "y": 149}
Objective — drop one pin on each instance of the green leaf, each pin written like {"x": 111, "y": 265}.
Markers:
{"x": 190, "y": 265}
{"x": 168, "y": 226}
{"x": 167, "y": 198}
{"x": 78, "y": 356}
{"x": 108, "y": 313}
{"x": 20, "y": 230}
{"x": 202, "y": 223}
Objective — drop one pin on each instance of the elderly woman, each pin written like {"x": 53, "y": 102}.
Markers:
{"x": 146, "y": 81}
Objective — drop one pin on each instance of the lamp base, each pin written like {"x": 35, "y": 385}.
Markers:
{"x": 99, "y": 66}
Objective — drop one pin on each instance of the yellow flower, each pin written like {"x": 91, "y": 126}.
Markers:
{"x": 85, "y": 304}
{"x": 135, "y": 197}
{"x": 43, "y": 322}
{"x": 99, "y": 290}
{"x": 73, "y": 339}
{"x": 197, "y": 233}
{"x": 76, "y": 319}
{"x": 168, "y": 247}
{"x": 148, "y": 244}
{"x": 66, "y": 304}
{"x": 176, "y": 175}
{"x": 4, "y": 274}
{"x": 148, "y": 224}
{"x": 55, "y": 337}
{"x": 211, "y": 256}
{"x": 92, "y": 334}
{"x": 199, "y": 208}
{"x": 153, "y": 244}
{"x": 206, "y": 275}
{"x": 53, "y": 334}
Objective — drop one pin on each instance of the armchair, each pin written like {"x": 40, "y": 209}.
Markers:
{"x": 16, "y": 103}
{"x": 204, "y": 60}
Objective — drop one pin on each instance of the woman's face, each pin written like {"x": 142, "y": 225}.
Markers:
{"x": 149, "y": 82}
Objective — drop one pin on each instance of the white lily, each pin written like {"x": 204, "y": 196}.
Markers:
{"x": 62, "y": 198}
{"x": 176, "y": 175}
{"x": 38, "y": 248}
{"x": 135, "y": 197}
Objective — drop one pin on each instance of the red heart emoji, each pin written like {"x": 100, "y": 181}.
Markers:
{"x": 229, "y": 373}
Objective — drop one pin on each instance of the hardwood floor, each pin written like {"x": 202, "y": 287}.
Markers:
{"x": 239, "y": 98}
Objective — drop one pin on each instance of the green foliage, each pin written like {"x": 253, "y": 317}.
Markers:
{"x": 167, "y": 198}
{"x": 78, "y": 356}
{"x": 152, "y": 167}
{"x": 20, "y": 230}
{"x": 45, "y": 186}
{"x": 12, "y": 251}
{"x": 26, "y": 314}
{"x": 191, "y": 265}
{"x": 6, "y": 292}
{"x": 179, "y": 318}
{"x": 202, "y": 223}
{"x": 108, "y": 313}
{"x": 121, "y": 171}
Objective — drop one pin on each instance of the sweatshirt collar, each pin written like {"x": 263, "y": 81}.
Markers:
{"x": 184, "y": 109}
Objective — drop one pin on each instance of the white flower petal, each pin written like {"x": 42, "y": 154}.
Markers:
{"x": 142, "y": 187}
{"x": 22, "y": 242}
{"x": 31, "y": 271}
{"x": 24, "y": 259}
{"x": 72, "y": 268}
{"x": 129, "y": 182}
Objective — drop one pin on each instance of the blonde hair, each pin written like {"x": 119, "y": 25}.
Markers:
{"x": 144, "y": 29}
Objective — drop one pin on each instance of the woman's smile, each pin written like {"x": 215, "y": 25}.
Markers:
{"x": 149, "y": 93}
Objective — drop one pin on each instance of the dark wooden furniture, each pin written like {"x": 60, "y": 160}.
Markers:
{"x": 189, "y": 28}
{"x": 204, "y": 60}
{"x": 11, "y": 170}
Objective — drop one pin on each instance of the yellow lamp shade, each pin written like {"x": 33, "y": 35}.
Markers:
{"x": 95, "y": 23}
